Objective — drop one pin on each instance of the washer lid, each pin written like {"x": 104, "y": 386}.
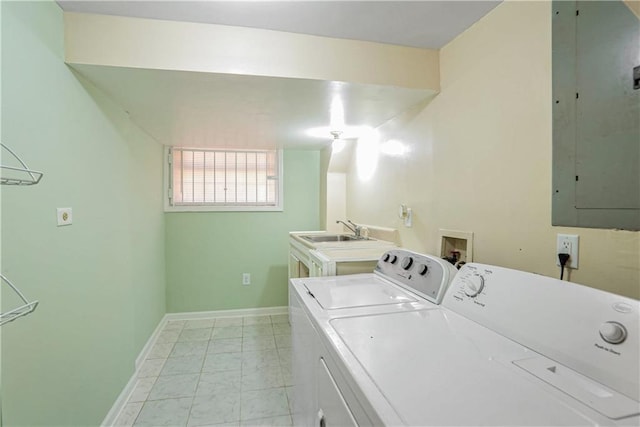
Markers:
{"x": 356, "y": 291}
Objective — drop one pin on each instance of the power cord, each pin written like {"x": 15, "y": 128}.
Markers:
{"x": 563, "y": 258}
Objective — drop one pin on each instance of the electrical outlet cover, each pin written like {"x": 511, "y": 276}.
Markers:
{"x": 65, "y": 216}
{"x": 568, "y": 244}
{"x": 408, "y": 219}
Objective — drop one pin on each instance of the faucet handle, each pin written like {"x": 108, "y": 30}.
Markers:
{"x": 357, "y": 228}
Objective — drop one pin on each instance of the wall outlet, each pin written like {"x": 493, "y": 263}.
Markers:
{"x": 65, "y": 216}
{"x": 568, "y": 244}
{"x": 246, "y": 278}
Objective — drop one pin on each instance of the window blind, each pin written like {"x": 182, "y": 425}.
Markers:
{"x": 223, "y": 177}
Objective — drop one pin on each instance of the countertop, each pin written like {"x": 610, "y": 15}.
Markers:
{"x": 352, "y": 255}
{"x": 344, "y": 246}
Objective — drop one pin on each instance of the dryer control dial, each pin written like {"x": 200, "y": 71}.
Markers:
{"x": 613, "y": 332}
{"x": 473, "y": 285}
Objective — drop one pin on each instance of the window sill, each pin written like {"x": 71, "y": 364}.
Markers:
{"x": 170, "y": 209}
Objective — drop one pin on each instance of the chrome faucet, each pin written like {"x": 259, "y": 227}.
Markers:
{"x": 353, "y": 227}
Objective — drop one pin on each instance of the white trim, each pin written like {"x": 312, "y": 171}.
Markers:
{"x": 200, "y": 208}
{"x": 166, "y": 176}
{"x": 121, "y": 401}
{"x": 227, "y": 313}
{"x": 123, "y": 397}
{"x": 150, "y": 342}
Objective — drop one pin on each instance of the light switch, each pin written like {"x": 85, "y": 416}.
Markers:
{"x": 65, "y": 216}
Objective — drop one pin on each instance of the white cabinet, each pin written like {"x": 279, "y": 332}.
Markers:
{"x": 298, "y": 259}
{"x": 297, "y": 267}
{"x": 308, "y": 259}
{"x": 340, "y": 262}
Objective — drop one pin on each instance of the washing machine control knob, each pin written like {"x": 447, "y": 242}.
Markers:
{"x": 422, "y": 269}
{"x": 613, "y": 332}
{"x": 386, "y": 257}
{"x": 393, "y": 259}
{"x": 473, "y": 285}
{"x": 407, "y": 262}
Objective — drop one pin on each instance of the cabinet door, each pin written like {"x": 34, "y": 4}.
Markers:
{"x": 315, "y": 269}
{"x": 332, "y": 408}
{"x": 294, "y": 266}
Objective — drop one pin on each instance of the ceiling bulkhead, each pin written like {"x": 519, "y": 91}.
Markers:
{"x": 208, "y": 85}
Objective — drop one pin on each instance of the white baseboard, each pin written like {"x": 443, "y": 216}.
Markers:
{"x": 122, "y": 399}
{"x": 118, "y": 405}
{"x": 227, "y": 313}
{"x": 150, "y": 342}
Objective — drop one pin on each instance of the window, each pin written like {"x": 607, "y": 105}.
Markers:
{"x": 210, "y": 180}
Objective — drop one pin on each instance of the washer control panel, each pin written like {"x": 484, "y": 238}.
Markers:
{"x": 425, "y": 275}
{"x": 591, "y": 331}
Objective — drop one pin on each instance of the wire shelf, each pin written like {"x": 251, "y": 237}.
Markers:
{"x": 22, "y": 175}
{"x": 23, "y": 310}
{"x": 18, "y": 175}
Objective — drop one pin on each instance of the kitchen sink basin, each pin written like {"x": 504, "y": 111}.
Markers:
{"x": 320, "y": 238}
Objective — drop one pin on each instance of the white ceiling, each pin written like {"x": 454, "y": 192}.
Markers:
{"x": 423, "y": 24}
{"x": 222, "y": 110}
{"x": 216, "y": 110}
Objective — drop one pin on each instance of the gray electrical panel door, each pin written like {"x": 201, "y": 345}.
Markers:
{"x": 596, "y": 156}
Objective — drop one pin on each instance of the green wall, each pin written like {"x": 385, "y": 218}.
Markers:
{"x": 208, "y": 252}
{"x": 100, "y": 281}
{"x": 105, "y": 282}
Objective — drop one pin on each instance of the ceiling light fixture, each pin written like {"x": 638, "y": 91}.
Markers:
{"x": 338, "y": 144}
{"x": 338, "y": 129}
{"x": 348, "y": 132}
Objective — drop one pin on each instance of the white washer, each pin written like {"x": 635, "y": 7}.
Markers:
{"x": 402, "y": 281}
{"x": 505, "y": 348}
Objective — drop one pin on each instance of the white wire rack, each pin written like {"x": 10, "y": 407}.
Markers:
{"x": 23, "y": 310}
{"x": 18, "y": 175}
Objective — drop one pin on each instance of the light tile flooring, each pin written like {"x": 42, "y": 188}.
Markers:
{"x": 225, "y": 371}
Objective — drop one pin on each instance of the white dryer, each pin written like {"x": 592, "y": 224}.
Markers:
{"x": 504, "y": 348}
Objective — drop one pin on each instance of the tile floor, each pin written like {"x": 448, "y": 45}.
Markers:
{"x": 224, "y": 371}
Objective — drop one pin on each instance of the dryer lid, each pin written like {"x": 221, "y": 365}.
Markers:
{"x": 434, "y": 367}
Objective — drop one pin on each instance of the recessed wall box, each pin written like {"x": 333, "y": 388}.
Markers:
{"x": 454, "y": 243}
